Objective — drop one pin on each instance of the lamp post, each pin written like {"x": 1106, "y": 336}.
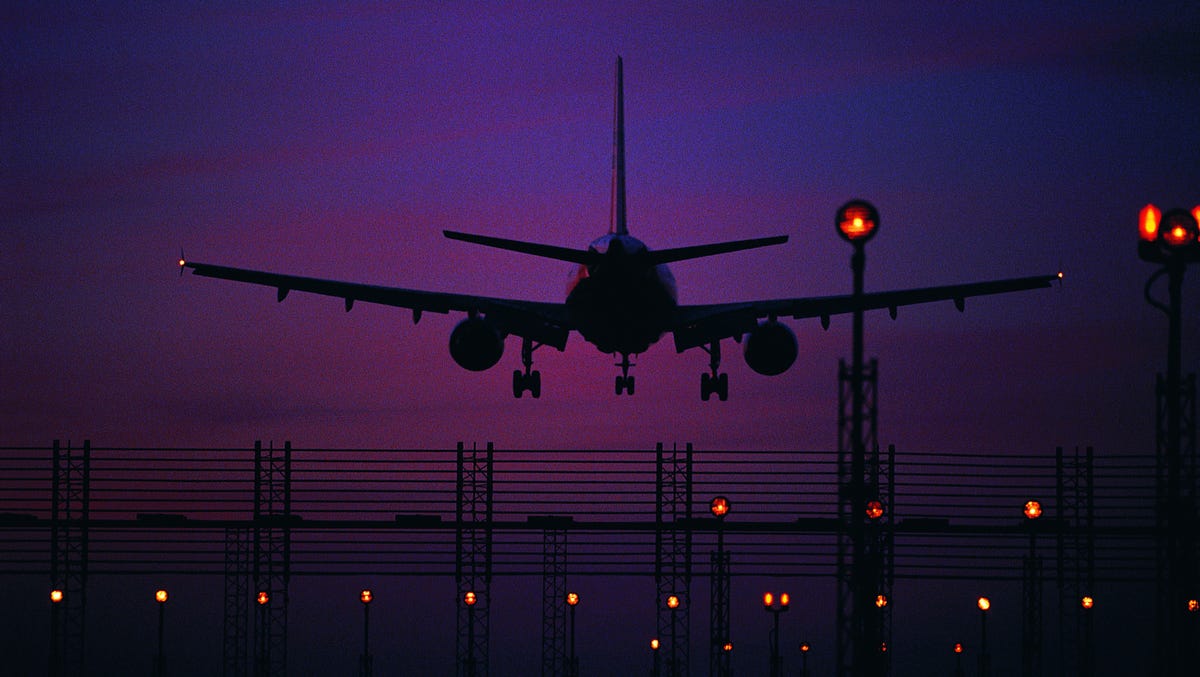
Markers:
{"x": 1172, "y": 240}
{"x": 469, "y": 598}
{"x": 804, "y": 649}
{"x": 985, "y": 661}
{"x": 775, "y": 607}
{"x": 56, "y": 646}
{"x": 655, "y": 665}
{"x": 1031, "y": 628}
{"x": 958, "y": 652}
{"x": 673, "y": 666}
{"x": 719, "y": 656}
{"x": 365, "y": 661}
{"x": 160, "y": 663}
{"x": 572, "y": 659}
{"x": 857, "y": 222}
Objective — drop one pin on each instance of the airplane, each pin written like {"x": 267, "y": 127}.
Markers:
{"x": 622, "y": 299}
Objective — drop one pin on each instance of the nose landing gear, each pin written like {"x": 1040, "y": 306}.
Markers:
{"x": 714, "y": 382}
{"x": 624, "y": 381}
{"x": 529, "y": 380}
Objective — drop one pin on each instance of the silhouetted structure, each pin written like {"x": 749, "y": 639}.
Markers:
{"x": 673, "y": 556}
{"x": 272, "y": 556}
{"x": 554, "y": 591}
{"x": 234, "y": 652}
{"x": 473, "y": 561}
{"x": 719, "y": 640}
{"x": 1076, "y": 560}
{"x": 70, "y": 514}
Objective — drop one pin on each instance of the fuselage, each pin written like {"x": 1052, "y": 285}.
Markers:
{"x": 621, "y": 303}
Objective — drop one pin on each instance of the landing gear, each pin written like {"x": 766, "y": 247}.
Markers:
{"x": 714, "y": 382}
{"x": 624, "y": 381}
{"x": 528, "y": 380}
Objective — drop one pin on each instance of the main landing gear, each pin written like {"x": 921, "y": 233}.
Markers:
{"x": 714, "y": 382}
{"x": 529, "y": 380}
{"x": 624, "y": 381}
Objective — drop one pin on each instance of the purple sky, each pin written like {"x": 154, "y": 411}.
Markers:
{"x": 997, "y": 140}
{"x": 339, "y": 142}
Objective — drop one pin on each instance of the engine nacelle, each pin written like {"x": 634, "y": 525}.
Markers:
{"x": 770, "y": 348}
{"x": 476, "y": 344}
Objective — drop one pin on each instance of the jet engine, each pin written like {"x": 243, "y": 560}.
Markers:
{"x": 476, "y": 344}
{"x": 770, "y": 348}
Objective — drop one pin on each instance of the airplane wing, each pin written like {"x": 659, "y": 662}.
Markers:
{"x": 546, "y": 323}
{"x": 697, "y": 325}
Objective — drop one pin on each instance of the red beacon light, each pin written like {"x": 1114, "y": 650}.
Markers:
{"x": 857, "y": 221}
{"x": 1033, "y": 509}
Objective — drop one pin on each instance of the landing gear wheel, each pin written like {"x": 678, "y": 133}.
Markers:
{"x": 518, "y": 383}
{"x": 534, "y": 382}
{"x": 530, "y": 379}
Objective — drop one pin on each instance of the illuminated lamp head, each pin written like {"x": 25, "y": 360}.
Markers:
{"x": 804, "y": 647}
{"x": 160, "y": 596}
{"x": 572, "y": 598}
{"x": 983, "y": 603}
{"x": 958, "y": 647}
{"x": 1178, "y": 229}
{"x": 672, "y": 601}
{"x": 365, "y": 596}
{"x": 881, "y": 601}
{"x": 262, "y": 597}
{"x": 874, "y": 509}
{"x": 719, "y": 506}
{"x": 56, "y": 596}
{"x": 654, "y": 644}
{"x": 728, "y": 646}
{"x": 469, "y": 598}
{"x": 1148, "y": 220}
{"x": 1087, "y": 602}
{"x": 1193, "y": 605}
{"x": 857, "y": 221}
{"x": 1033, "y": 509}
{"x": 784, "y": 600}
{"x": 768, "y": 599}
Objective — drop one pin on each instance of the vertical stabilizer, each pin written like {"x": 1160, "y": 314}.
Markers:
{"x": 616, "y": 222}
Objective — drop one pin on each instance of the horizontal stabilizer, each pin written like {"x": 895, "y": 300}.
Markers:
{"x": 581, "y": 256}
{"x": 684, "y": 253}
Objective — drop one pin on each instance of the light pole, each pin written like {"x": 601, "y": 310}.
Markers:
{"x": 160, "y": 662}
{"x": 804, "y": 649}
{"x": 769, "y": 603}
{"x": 573, "y": 660}
{"x": 655, "y": 665}
{"x": 857, "y": 222}
{"x": 985, "y": 661}
{"x": 1031, "y": 635}
{"x": 56, "y": 644}
{"x": 673, "y": 666}
{"x": 958, "y": 652}
{"x": 469, "y": 598}
{"x": 719, "y": 656}
{"x": 365, "y": 661}
{"x": 1172, "y": 240}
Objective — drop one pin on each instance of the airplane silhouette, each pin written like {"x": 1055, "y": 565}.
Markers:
{"x": 622, "y": 299}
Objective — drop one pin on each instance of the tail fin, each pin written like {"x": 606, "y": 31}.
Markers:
{"x": 616, "y": 223}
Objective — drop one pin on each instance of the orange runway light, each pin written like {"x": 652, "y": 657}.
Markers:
{"x": 728, "y": 647}
{"x": 768, "y": 599}
{"x": 1148, "y": 220}
{"x": 881, "y": 601}
{"x": 857, "y": 221}
{"x": 874, "y": 509}
{"x": 572, "y": 598}
{"x": 958, "y": 647}
{"x": 469, "y": 598}
{"x": 263, "y": 597}
{"x": 365, "y": 597}
{"x": 654, "y": 644}
{"x": 1087, "y": 602}
{"x": 804, "y": 647}
{"x": 160, "y": 596}
{"x": 672, "y": 602}
{"x": 719, "y": 506}
{"x": 784, "y": 600}
{"x": 1033, "y": 509}
{"x": 1193, "y": 605}
{"x": 56, "y": 595}
{"x": 984, "y": 603}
